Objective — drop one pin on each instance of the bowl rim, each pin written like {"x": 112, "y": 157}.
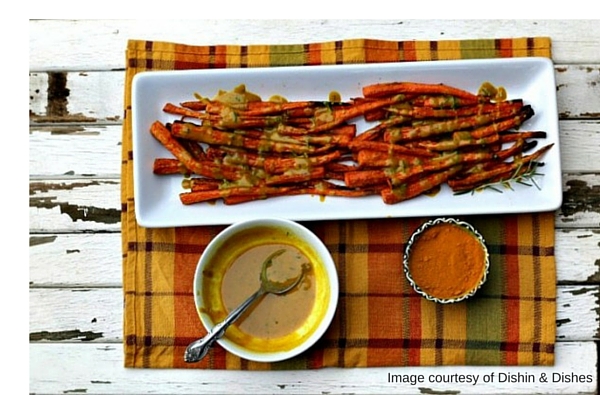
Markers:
{"x": 329, "y": 266}
{"x": 415, "y": 235}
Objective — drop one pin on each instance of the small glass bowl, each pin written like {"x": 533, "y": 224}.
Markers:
{"x": 442, "y": 249}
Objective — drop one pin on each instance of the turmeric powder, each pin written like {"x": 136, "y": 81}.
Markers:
{"x": 447, "y": 261}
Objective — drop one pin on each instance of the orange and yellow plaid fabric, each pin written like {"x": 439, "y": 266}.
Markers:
{"x": 380, "y": 321}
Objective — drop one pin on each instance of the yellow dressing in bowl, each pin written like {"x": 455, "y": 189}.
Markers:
{"x": 277, "y": 322}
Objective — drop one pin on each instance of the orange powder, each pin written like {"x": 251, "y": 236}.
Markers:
{"x": 447, "y": 261}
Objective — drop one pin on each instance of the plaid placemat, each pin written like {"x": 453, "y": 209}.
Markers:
{"x": 380, "y": 321}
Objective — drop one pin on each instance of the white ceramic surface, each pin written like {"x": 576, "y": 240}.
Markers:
{"x": 157, "y": 202}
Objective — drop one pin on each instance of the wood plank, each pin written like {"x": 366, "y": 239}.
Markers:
{"x": 94, "y": 259}
{"x": 578, "y": 95}
{"x": 100, "y": 44}
{"x": 74, "y": 205}
{"x": 96, "y": 314}
{"x": 76, "y": 260}
{"x": 91, "y": 97}
{"x": 93, "y": 314}
{"x": 82, "y": 150}
{"x": 579, "y": 142}
{"x": 94, "y": 368}
{"x": 581, "y": 201}
{"x": 577, "y": 253}
{"x": 578, "y": 91}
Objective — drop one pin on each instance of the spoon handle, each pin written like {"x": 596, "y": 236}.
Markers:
{"x": 199, "y": 348}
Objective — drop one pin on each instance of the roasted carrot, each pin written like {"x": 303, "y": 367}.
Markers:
{"x": 168, "y": 166}
{"x": 194, "y": 148}
{"x": 210, "y": 135}
{"x": 512, "y": 136}
{"x": 408, "y": 133}
{"x": 391, "y": 148}
{"x": 255, "y": 192}
{"x": 395, "y": 88}
{"x": 399, "y": 175}
{"x": 196, "y": 184}
{"x": 236, "y": 156}
{"x": 503, "y": 125}
{"x": 457, "y": 141}
{"x": 474, "y": 180}
{"x": 296, "y": 176}
{"x": 480, "y": 108}
{"x": 365, "y": 178}
{"x": 330, "y": 119}
{"x": 171, "y": 108}
{"x": 204, "y": 168}
{"x": 372, "y": 158}
{"x": 397, "y": 194}
{"x": 423, "y": 135}
{"x": 444, "y": 101}
{"x": 274, "y": 165}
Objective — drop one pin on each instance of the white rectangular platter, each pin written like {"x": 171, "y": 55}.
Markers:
{"x": 157, "y": 201}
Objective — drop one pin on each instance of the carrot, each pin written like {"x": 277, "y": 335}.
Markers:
{"x": 397, "y": 194}
{"x": 325, "y": 188}
{"x": 394, "y": 88}
{"x": 162, "y": 134}
{"x": 372, "y": 158}
{"x": 194, "y": 148}
{"x": 280, "y": 165}
{"x": 391, "y": 148}
{"x": 196, "y": 105}
{"x": 204, "y": 168}
{"x": 473, "y": 181}
{"x": 444, "y": 101}
{"x": 503, "y": 125}
{"x": 424, "y": 135}
{"x": 236, "y": 156}
{"x": 210, "y": 135}
{"x": 261, "y": 108}
{"x": 365, "y": 178}
{"x": 480, "y": 108}
{"x": 459, "y": 140}
{"x": 168, "y": 166}
{"x": 379, "y": 114}
{"x": 319, "y": 188}
{"x": 253, "y": 192}
{"x": 171, "y": 108}
{"x": 343, "y": 114}
{"x": 432, "y": 129}
{"x": 399, "y": 175}
{"x": 196, "y": 184}
{"x": 512, "y": 136}
{"x": 296, "y": 175}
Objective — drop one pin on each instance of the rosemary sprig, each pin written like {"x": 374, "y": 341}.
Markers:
{"x": 521, "y": 176}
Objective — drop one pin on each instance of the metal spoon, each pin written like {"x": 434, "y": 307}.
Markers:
{"x": 199, "y": 348}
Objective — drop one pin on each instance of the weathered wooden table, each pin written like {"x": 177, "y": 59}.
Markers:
{"x": 76, "y": 74}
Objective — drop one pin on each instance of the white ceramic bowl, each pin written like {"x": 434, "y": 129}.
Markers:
{"x": 234, "y": 241}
